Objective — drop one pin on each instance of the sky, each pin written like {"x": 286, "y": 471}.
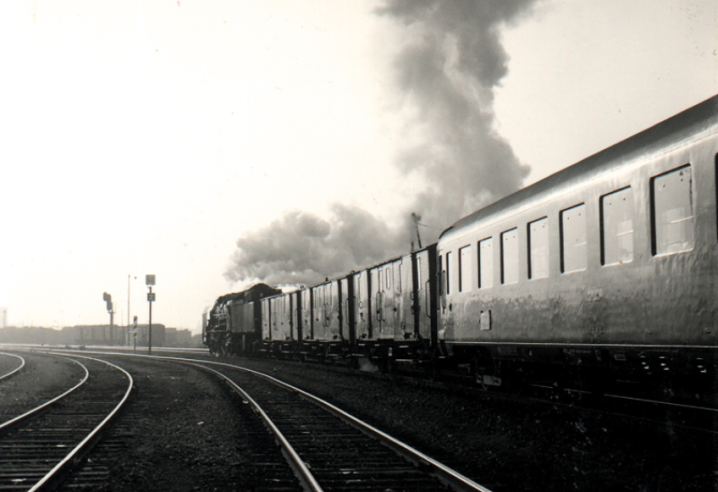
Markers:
{"x": 216, "y": 144}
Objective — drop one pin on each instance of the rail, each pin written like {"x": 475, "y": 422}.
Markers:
{"x": 297, "y": 463}
{"x": 39, "y": 408}
{"x": 17, "y": 369}
{"x": 445, "y": 474}
{"x": 47, "y": 481}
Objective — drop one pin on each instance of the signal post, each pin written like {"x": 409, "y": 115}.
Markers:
{"x": 150, "y": 281}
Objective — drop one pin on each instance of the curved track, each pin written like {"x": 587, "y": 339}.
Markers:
{"x": 38, "y": 448}
{"x": 15, "y": 370}
{"x": 332, "y": 450}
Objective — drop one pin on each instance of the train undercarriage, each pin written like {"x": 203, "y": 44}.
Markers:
{"x": 682, "y": 373}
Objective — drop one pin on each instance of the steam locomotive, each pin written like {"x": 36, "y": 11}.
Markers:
{"x": 606, "y": 268}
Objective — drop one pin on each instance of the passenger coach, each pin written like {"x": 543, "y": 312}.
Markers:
{"x": 608, "y": 264}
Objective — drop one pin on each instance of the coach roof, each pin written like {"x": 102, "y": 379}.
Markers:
{"x": 699, "y": 119}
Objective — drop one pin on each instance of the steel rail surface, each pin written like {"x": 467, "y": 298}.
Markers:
{"x": 14, "y": 371}
{"x": 61, "y": 466}
{"x": 297, "y": 463}
{"x": 32, "y": 412}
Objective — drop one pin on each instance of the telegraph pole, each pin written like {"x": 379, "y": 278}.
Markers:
{"x": 150, "y": 281}
{"x": 129, "y": 314}
{"x": 134, "y": 334}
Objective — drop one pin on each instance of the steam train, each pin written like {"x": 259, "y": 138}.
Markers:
{"x": 606, "y": 269}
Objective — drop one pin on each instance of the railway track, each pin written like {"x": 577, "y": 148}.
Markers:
{"x": 331, "y": 450}
{"x": 14, "y": 370}
{"x": 591, "y": 436}
{"x": 40, "y": 447}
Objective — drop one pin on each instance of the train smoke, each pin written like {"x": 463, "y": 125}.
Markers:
{"x": 301, "y": 248}
{"x": 449, "y": 64}
{"x": 448, "y": 68}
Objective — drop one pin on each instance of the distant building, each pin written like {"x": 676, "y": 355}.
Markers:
{"x": 12, "y": 334}
{"x": 114, "y": 335}
{"x": 177, "y": 338}
{"x": 3, "y": 317}
{"x": 102, "y": 335}
{"x": 143, "y": 339}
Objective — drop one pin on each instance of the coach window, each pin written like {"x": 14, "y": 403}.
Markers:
{"x": 573, "y": 239}
{"x": 510, "y": 257}
{"x": 617, "y": 227}
{"x": 538, "y": 248}
{"x": 672, "y": 211}
{"x": 465, "y": 269}
{"x": 486, "y": 263}
{"x": 448, "y": 269}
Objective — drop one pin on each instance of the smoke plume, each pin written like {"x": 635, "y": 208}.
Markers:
{"x": 448, "y": 67}
{"x": 301, "y": 248}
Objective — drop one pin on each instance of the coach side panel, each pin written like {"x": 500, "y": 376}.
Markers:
{"x": 629, "y": 258}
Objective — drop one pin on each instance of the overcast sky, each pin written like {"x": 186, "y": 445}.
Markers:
{"x": 186, "y": 139}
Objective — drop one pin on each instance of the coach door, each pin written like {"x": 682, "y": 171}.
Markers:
{"x": 294, "y": 317}
{"x": 347, "y": 309}
{"x": 422, "y": 297}
{"x": 276, "y": 315}
{"x": 404, "y": 318}
{"x": 377, "y": 282}
{"x": 266, "y": 319}
{"x": 306, "y": 313}
{"x": 361, "y": 305}
{"x": 389, "y": 297}
{"x": 381, "y": 301}
{"x": 333, "y": 311}
{"x": 320, "y": 315}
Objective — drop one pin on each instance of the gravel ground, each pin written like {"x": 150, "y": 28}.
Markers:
{"x": 183, "y": 431}
{"x": 7, "y": 364}
{"x": 507, "y": 444}
{"x": 42, "y": 378}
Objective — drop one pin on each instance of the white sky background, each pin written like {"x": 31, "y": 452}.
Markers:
{"x": 147, "y": 137}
